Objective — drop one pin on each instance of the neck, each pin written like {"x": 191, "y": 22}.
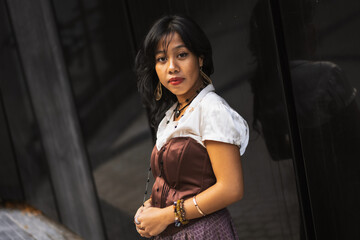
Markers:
{"x": 184, "y": 99}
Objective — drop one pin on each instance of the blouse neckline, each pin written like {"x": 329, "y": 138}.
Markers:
{"x": 193, "y": 104}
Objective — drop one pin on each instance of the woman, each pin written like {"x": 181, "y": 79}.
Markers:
{"x": 196, "y": 159}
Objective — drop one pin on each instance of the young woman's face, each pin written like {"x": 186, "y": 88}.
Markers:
{"x": 178, "y": 69}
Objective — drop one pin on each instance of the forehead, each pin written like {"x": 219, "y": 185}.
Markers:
{"x": 171, "y": 40}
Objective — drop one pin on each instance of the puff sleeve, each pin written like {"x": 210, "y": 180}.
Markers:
{"x": 219, "y": 122}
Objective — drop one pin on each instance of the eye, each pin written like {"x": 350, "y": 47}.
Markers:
{"x": 161, "y": 59}
{"x": 183, "y": 55}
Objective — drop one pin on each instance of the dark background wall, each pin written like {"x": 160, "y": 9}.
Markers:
{"x": 290, "y": 68}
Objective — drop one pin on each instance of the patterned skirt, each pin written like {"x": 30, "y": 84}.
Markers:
{"x": 217, "y": 225}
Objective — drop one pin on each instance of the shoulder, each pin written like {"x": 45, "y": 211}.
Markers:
{"x": 213, "y": 105}
{"x": 219, "y": 122}
{"x": 213, "y": 98}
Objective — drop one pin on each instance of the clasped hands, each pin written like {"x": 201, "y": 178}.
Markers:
{"x": 149, "y": 221}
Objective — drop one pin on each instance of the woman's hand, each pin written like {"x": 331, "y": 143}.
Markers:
{"x": 146, "y": 204}
{"x": 154, "y": 220}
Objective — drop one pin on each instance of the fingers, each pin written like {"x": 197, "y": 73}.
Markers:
{"x": 140, "y": 229}
{"x": 147, "y": 204}
{"x": 139, "y": 210}
{"x": 142, "y": 232}
{"x": 136, "y": 221}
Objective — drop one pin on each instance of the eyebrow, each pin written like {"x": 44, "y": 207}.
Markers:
{"x": 163, "y": 51}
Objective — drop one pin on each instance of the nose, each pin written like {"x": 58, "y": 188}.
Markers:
{"x": 173, "y": 66}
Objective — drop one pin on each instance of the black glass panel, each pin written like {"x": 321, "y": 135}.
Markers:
{"x": 143, "y": 14}
{"x": 98, "y": 53}
{"x": 98, "y": 45}
{"x": 247, "y": 58}
{"x": 322, "y": 39}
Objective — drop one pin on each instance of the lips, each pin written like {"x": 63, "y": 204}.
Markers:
{"x": 176, "y": 80}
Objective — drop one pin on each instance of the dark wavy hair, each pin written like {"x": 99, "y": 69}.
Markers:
{"x": 194, "y": 39}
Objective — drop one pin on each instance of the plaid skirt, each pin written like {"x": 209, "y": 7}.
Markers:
{"x": 217, "y": 225}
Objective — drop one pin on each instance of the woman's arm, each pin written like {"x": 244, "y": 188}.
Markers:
{"x": 229, "y": 188}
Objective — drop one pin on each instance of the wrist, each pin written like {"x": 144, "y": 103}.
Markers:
{"x": 169, "y": 217}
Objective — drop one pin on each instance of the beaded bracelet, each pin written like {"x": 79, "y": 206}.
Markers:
{"x": 179, "y": 212}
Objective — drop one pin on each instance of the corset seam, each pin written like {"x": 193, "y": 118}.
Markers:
{"x": 180, "y": 161}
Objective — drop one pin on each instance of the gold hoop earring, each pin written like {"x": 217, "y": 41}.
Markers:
{"x": 158, "y": 92}
{"x": 205, "y": 77}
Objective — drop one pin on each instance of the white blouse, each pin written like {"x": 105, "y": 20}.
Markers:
{"x": 208, "y": 117}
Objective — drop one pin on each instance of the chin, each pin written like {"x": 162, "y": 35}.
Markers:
{"x": 176, "y": 91}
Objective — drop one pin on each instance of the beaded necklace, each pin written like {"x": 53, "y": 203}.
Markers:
{"x": 147, "y": 185}
{"x": 178, "y": 111}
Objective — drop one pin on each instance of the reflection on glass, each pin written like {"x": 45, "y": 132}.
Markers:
{"x": 328, "y": 118}
{"x": 269, "y": 110}
{"x": 327, "y": 111}
{"x": 120, "y": 151}
{"x": 97, "y": 49}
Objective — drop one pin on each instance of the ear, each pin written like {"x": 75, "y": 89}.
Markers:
{"x": 201, "y": 61}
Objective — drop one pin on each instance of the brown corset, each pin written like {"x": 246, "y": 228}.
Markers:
{"x": 181, "y": 169}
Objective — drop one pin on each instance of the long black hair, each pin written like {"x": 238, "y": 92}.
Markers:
{"x": 194, "y": 39}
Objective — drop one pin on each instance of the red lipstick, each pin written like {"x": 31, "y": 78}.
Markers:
{"x": 176, "y": 80}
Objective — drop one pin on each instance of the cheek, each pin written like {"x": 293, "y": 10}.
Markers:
{"x": 157, "y": 70}
{"x": 194, "y": 69}
{"x": 159, "y": 73}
